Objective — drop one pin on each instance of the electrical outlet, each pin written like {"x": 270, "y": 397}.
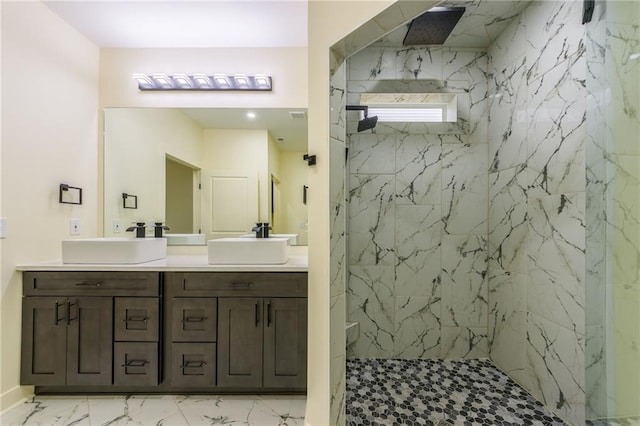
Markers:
{"x": 74, "y": 227}
{"x": 115, "y": 226}
{"x": 3, "y": 227}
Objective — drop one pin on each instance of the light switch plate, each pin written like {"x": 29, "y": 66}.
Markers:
{"x": 115, "y": 226}
{"x": 74, "y": 227}
{"x": 3, "y": 227}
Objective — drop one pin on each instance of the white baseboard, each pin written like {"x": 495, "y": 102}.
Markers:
{"x": 15, "y": 396}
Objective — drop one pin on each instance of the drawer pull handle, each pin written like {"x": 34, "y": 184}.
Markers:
{"x": 58, "y": 319}
{"x": 136, "y": 363}
{"x": 240, "y": 285}
{"x": 257, "y": 315}
{"x": 269, "y": 314}
{"x": 136, "y": 319}
{"x": 193, "y": 364}
{"x": 194, "y": 319}
{"x": 90, "y": 284}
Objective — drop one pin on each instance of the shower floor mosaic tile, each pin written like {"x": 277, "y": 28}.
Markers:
{"x": 435, "y": 392}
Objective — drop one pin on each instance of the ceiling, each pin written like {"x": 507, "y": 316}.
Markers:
{"x": 480, "y": 25}
{"x": 277, "y": 121}
{"x": 171, "y": 24}
{"x": 198, "y": 24}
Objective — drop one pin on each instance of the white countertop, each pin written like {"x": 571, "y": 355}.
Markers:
{"x": 175, "y": 263}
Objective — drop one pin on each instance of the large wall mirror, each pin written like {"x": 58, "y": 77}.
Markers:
{"x": 205, "y": 172}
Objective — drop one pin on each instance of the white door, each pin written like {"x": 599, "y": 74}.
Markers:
{"x": 229, "y": 203}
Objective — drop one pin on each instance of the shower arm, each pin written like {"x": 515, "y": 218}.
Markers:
{"x": 363, "y": 108}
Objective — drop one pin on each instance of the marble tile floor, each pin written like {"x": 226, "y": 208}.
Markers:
{"x": 165, "y": 410}
{"x": 438, "y": 392}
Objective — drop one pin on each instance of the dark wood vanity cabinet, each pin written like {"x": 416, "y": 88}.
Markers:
{"x": 261, "y": 338}
{"x": 164, "y": 331}
{"x": 85, "y": 328}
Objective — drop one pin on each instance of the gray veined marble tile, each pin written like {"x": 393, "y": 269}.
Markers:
{"x": 464, "y": 189}
{"x": 557, "y": 260}
{"x": 370, "y": 302}
{"x": 417, "y": 325}
{"x": 338, "y": 402}
{"x": 419, "y": 63}
{"x": 554, "y": 33}
{"x": 372, "y": 154}
{"x": 508, "y": 322}
{"x": 418, "y": 250}
{"x": 596, "y": 392}
{"x": 623, "y": 46}
{"x": 134, "y": 410}
{"x": 510, "y": 45}
{"x": 337, "y": 256}
{"x": 465, "y": 65}
{"x": 623, "y": 229}
{"x": 464, "y": 281}
{"x": 556, "y": 363}
{"x": 229, "y": 409}
{"x": 556, "y": 140}
{"x": 371, "y": 220}
{"x": 508, "y": 219}
{"x": 418, "y": 169}
{"x": 508, "y": 117}
{"x": 463, "y": 342}
{"x": 49, "y": 411}
{"x": 337, "y": 101}
{"x": 337, "y": 171}
{"x": 338, "y": 319}
{"x": 372, "y": 64}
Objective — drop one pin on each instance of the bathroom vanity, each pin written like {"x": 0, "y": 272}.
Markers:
{"x": 173, "y": 325}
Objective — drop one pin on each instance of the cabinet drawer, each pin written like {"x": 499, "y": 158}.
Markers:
{"x": 194, "y": 319}
{"x": 91, "y": 283}
{"x": 236, "y": 284}
{"x": 136, "y": 319}
{"x": 193, "y": 364}
{"x": 135, "y": 364}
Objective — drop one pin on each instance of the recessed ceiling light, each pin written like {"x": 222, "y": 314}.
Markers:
{"x": 251, "y": 115}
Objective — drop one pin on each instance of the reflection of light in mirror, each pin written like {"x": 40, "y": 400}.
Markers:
{"x": 251, "y": 115}
{"x": 634, "y": 56}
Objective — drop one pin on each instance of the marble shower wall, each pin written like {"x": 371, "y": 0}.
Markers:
{"x": 337, "y": 242}
{"x": 417, "y": 210}
{"x": 537, "y": 204}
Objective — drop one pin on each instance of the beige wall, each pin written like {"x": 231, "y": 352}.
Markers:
{"x": 293, "y": 175}
{"x": 137, "y": 142}
{"x": 329, "y": 22}
{"x": 49, "y": 133}
{"x": 179, "y": 187}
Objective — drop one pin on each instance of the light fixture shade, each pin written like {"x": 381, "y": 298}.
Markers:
{"x": 203, "y": 82}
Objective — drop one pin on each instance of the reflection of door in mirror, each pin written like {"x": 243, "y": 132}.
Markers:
{"x": 182, "y": 201}
{"x": 229, "y": 203}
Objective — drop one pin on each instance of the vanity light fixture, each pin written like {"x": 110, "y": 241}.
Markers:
{"x": 203, "y": 82}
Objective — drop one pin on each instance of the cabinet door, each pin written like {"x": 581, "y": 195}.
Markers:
{"x": 89, "y": 341}
{"x": 240, "y": 342}
{"x": 44, "y": 341}
{"x": 285, "y": 343}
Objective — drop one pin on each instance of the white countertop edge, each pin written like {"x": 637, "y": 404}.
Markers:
{"x": 172, "y": 263}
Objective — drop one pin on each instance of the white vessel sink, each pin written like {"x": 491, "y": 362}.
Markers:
{"x": 293, "y": 238}
{"x": 186, "y": 239}
{"x": 113, "y": 250}
{"x": 248, "y": 251}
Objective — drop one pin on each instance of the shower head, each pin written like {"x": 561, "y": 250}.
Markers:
{"x": 367, "y": 122}
{"x": 433, "y": 26}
